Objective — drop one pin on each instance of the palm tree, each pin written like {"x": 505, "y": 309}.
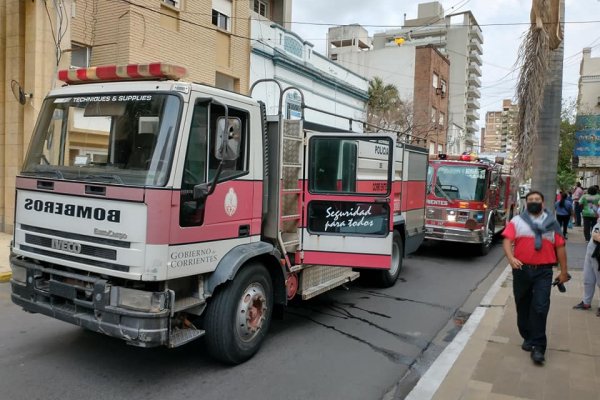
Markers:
{"x": 539, "y": 93}
{"x": 382, "y": 97}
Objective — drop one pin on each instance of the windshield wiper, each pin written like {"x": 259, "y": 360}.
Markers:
{"x": 112, "y": 177}
{"x": 442, "y": 192}
{"x": 38, "y": 171}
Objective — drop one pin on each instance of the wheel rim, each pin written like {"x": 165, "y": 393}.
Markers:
{"x": 251, "y": 312}
{"x": 395, "y": 258}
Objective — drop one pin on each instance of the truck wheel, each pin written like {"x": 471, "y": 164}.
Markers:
{"x": 484, "y": 248}
{"x": 387, "y": 278}
{"x": 239, "y": 315}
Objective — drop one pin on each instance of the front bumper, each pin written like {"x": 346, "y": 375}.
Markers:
{"x": 86, "y": 301}
{"x": 454, "y": 234}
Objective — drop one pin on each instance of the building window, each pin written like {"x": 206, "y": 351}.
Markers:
{"x": 433, "y": 115}
{"x": 435, "y": 80}
{"x": 334, "y": 57}
{"x": 442, "y": 118}
{"x": 220, "y": 20}
{"x": 173, "y": 3}
{"x": 221, "y": 14}
{"x": 261, "y": 7}
{"x": 80, "y": 55}
{"x": 444, "y": 87}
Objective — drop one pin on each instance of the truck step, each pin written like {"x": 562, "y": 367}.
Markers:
{"x": 185, "y": 303}
{"x": 179, "y": 337}
{"x": 319, "y": 279}
{"x": 290, "y": 217}
{"x": 291, "y": 191}
{"x": 290, "y": 165}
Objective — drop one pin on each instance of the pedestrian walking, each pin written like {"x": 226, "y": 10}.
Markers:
{"x": 591, "y": 271}
{"x": 577, "y": 193}
{"x": 589, "y": 212}
{"x": 564, "y": 210}
{"x": 533, "y": 245}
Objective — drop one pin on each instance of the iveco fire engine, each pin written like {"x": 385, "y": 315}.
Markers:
{"x": 468, "y": 200}
{"x": 159, "y": 211}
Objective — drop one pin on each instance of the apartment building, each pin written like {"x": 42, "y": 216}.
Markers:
{"x": 587, "y": 137}
{"x": 500, "y": 127}
{"x": 459, "y": 37}
{"x": 420, "y": 73}
{"x": 209, "y": 37}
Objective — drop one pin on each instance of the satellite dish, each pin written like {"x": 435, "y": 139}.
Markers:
{"x": 18, "y": 92}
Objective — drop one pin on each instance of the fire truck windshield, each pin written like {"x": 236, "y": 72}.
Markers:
{"x": 120, "y": 138}
{"x": 459, "y": 182}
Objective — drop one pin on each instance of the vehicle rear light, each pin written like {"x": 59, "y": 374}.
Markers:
{"x": 130, "y": 72}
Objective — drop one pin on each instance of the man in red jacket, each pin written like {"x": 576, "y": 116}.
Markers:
{"x": 533, "y": 245}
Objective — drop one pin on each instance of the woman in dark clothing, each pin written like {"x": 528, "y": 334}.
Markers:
{"x": 564, "y": 209}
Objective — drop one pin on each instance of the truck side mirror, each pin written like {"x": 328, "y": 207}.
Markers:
{"x": 201, "y": 191}
{"x": 229, "y": 139}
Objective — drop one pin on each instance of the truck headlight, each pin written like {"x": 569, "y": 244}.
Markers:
{"x": 451, "y": 216}
{"x": 19, "y": 274}
{"x": 138, "y": 300}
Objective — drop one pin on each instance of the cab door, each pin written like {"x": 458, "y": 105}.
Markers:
{"x": 347, "y": 212}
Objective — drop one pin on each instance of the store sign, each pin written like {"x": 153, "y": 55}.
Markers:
{"x": 587, "y": 140}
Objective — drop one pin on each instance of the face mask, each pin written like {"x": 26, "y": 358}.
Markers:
{"x": 534, "y": 208}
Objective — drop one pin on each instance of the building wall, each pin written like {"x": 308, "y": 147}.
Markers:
{"x": 428, "y": 100}
{"x": 28, "y": 59}
{"x": 121, "y": 33}
{"x": 284, "y": 56}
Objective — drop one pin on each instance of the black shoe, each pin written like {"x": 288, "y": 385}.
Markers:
{"x": 526, "y": 346}
{"x": 537, "y": 355}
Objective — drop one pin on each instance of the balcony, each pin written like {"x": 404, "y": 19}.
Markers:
{"x": 476, "y": 58}
{"x": 475, "y": 69}
{"x": 475, "y": 45}
{"x": 476, "y": 33}
{"x": 472, "y": 127}
{"x": 472, "y": 91}
{"x": 472, "y": 103}
{"x": 474, "y": 80}
{"x": 472, "y": 114}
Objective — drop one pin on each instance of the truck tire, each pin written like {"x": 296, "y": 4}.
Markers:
{"x": 239, "y": 315}
{"x": 387, "y": 278}
{"x": 484, "y": 248}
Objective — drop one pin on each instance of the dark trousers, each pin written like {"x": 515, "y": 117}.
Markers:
{"x": 563, "y": 220}
{"x": 588, "y": 224}
{"x": 578, "y": 208}
{"x": 531, "y": 288}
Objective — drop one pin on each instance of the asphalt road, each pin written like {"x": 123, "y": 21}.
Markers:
{"x": 355, "y": 343}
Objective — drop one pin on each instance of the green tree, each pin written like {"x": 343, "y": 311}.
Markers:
{"x": 566, "y": 177}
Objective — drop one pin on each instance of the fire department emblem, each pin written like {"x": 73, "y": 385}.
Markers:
{"x": 231, "y": 202}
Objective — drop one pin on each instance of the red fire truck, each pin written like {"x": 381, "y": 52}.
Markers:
{"x": 469, "y": 200}
{"x": 159, "y": 211}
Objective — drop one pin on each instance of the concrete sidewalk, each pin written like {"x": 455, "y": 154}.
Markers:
{"x": 5, "y": 272}
{"x": 492, "y": 364}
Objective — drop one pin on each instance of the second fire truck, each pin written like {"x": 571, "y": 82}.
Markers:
{"x": 469, "y": 200}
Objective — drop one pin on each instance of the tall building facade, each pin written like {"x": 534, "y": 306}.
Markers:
{"x": 420, "y": 73}
{"x": 500, "y": 127}
{"x": 587, "y": 137}
{"x": 209, "y": 37}
{"x": 459, "y": 37}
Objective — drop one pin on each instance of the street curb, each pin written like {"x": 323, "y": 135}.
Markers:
{"x": 432, "y": 379}
{"x": 5, "y": 276}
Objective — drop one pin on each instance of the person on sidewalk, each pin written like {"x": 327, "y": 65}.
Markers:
{"x": 577, "y": 193}
{"x": 538, "y": 245}
{"x": 564, "y": 210}
{"x": 591, "y": 271}
{"x": 589, "y": 206}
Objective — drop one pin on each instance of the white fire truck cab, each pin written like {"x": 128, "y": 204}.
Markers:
{"x": 159, "y": 211}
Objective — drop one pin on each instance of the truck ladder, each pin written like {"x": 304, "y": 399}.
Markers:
{"x": 290, "y": 195}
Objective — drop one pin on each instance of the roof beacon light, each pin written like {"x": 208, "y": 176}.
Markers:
{"x": 130, "y": 72}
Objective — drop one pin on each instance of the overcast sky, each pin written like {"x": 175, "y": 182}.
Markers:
{"x": 500, "y": 42}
